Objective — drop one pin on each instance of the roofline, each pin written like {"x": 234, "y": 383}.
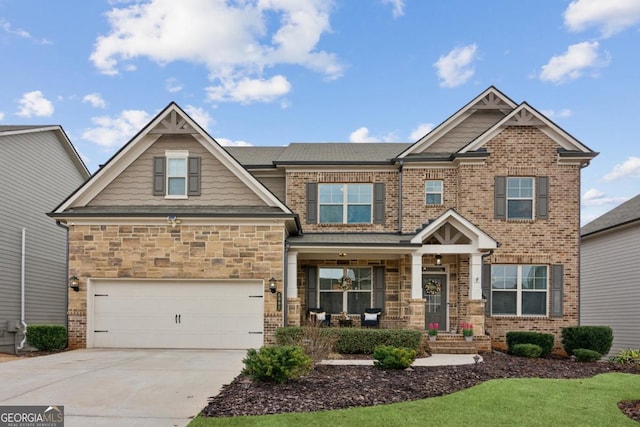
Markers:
{"x": 332, "y": 162}
{"x": 163, "y": 213}
{"x": 610, "y": 228}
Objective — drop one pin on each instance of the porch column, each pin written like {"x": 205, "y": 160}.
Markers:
{"x": 292, "y": 275}
{"x": 475, "y": 277}
{"x": 416, "y": 276}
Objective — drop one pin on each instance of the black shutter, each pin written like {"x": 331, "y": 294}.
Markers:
{"x": 486, "y": 288}
{"x": 500, "y": 197}
{"x": 311, "y": 280}
{"x": 542, "y": 197}
{"x": 312, "y": 203}
{"x": 378, "y": 203}
{"x": 159, "y": 167}
{"x": 379, "y": 287}
{"x": 193, "y": 187}
{"x": 557, "y": 279}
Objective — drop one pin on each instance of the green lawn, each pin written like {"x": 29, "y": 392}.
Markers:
{"x": 504, "y": 402}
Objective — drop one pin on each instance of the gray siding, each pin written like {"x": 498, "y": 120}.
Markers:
{"x": 36, "y": 175}
{"x": 465, "y": 132}
{"x": 219, "y": 186}
{"x": 276, "y": 184}
{"x": 610, "y": 285}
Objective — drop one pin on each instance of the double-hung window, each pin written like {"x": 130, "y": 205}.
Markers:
{"x": 519, "y": 290}
{"x": 345, "y": 203}
{"x": 520, "y": 198}
{"x": 345, "y": 289}
{"x": 433, "y": 192}
{"x": 177, "y": 174}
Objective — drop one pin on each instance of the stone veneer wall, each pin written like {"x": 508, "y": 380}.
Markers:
{"x": 182, "y": 252}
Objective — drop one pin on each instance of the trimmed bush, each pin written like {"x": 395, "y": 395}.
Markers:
{"x": 47, "y": 337}
{"x": 277, "y": 364}
{"x": 626, "y": 356}
{"x": 584, "y": 355}
{"x": 596, "y": 338}
{"x": 544, "y": 341}
{"x": 532, "y": 351}
{"x": 355, "y": 340}
{"x": 388, "y": 357}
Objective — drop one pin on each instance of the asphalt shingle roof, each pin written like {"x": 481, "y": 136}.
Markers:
{"x": 627, "y": 212}
{"x": 350, "y": 239}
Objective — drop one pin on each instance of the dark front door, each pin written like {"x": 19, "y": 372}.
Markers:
{"x": 434, "y": 291}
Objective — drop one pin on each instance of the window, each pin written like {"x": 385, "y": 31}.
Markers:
{"x": 176, "y": 174}
{"x": 519, "y": 198}
{"x": 345, "y": 203}
{"x": 357, "y": 296}
{"x": 519, "y": 290}
{"x": 433, "y": 192}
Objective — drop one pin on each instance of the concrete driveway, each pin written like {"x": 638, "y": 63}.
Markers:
{"x": 100, "y": 387}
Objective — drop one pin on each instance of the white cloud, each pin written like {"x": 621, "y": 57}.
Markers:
{"x": 609, "y": 16}
{"x": 249, "y": 90}
{"x": 1, "y": 115}
{"x": 571, "y": 64}
{"x": 6, "y": 27}
{"x": 456, "y": 67}
{"x": 235, "y": 41}
{"x": 362, "y": 135}
{"x": 114, "y": 132}
{"x": 398, "y": 7}
{"x": 201, "y": 116}
{"x": 628, "y": 168}
{"x": 172, "y": 85}
{"x": 35, "y": 104}
{"x": 595, "y": 197}
{"x": 560, "y": 114}
{"x": 230, "y": 143}
{"x": 95, "y": 100}
{"x": 420, "y": 131}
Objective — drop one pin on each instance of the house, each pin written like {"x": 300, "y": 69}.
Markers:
{"x": 38, "y": 167}
{"x": 607, "y": 297}
{"x": 176, "y": 239}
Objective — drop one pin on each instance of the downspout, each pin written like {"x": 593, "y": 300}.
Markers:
{"x": 66, "y": 227}
{"x": 22, "y": 316}
{"x": 285, "y": 282}
{"x": 400, "y": 197}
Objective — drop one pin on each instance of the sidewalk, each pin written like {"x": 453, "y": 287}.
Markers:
{"x": 434, "y": 360}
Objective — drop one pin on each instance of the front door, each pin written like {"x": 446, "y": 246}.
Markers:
{"x": 434, "y": 291}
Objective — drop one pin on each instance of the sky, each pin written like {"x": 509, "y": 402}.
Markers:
{"x": 272, "y": 72}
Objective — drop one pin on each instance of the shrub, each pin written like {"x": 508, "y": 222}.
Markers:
{"x": 47, "y": 337}
{"x": 527, "y": 350}
{"x": 388, "y": 357}
{"x": 355, "y": 340}
{"x": 626, "y": 356}
{"x": 544, "y": 341}
{"x": 596, "y": 338}
{"x": 278, "y": 363}
{"x": 584, "y": 355}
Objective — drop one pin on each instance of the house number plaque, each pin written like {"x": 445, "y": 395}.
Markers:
{"x": 279, "y": 301}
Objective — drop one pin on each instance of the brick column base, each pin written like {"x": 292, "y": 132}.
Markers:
{"x": 294, "y": 316}
{"x": 475, "y": 311}
{"x": 416, "y": 314}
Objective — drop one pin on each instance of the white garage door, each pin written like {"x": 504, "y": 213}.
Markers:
{"x": 177, "y": 314}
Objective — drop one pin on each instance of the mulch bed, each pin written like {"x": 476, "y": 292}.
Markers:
{"x": 335, "y": 387}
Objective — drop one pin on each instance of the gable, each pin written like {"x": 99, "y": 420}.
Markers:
{"x": 465, "y": 125}
{"x": 122, "y": 182}
{"x": 219, "y": 186}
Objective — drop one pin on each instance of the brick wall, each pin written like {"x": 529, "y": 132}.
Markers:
{"x": 182, "y": 252}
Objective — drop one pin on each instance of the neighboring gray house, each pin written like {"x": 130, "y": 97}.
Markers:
{"x": 38, "y": 168}
{"x": 610, "y": 274}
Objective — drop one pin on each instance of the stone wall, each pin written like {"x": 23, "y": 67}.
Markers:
{"x": 181, "y": 252}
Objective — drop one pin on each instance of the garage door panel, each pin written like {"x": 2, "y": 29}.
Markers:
{"x": 181, "y": 314}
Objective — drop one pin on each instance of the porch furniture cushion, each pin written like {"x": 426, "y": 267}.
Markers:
{"x": 317, "y": 314}
{"x": 371, "y": 317}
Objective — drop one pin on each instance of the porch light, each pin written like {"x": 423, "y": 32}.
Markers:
{"x": 272, "y": 285}
{"x": 74, "y": 283}
{"x": 438, "y": 259}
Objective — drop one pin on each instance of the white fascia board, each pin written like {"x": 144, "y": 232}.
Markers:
{"x": 184, "y": 221}
{"x": 352, "y": 249}
{"x": 480, "y": 239}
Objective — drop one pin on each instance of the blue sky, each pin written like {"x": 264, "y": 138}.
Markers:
{"x": 271, "y": 72}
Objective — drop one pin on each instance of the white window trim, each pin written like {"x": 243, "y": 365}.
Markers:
{"x": 345, "y": 202}
{"x": 441, "y": 192}
{"x": 532, "y": 198}
{"x": 177, "y": 154}
{"x": 345, "y": 300}
{"x": 519, "y": 292}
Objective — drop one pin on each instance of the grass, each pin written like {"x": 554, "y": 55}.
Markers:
{"x": 501, "y": 402}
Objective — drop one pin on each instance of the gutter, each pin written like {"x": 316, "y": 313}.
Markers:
{"x": 400, "y": 196}
{"x": 22, "y": 286}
